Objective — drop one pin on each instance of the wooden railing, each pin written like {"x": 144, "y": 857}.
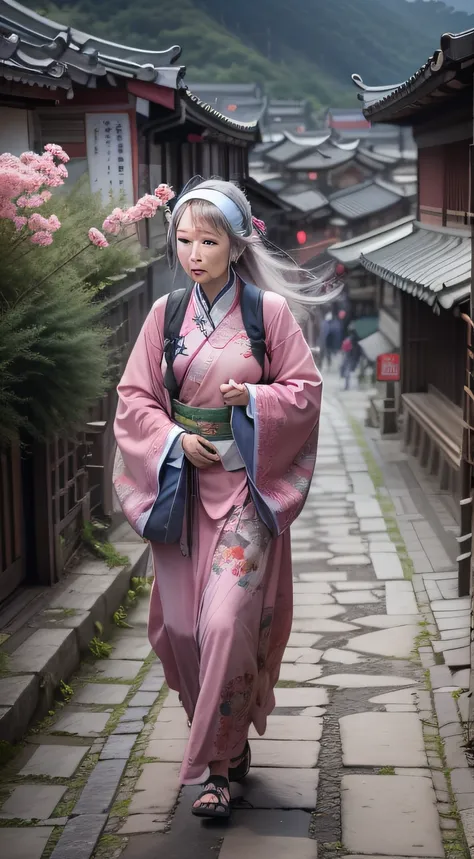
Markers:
{"x": 69, "y": 479}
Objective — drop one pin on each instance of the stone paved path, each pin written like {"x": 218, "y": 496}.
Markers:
{"x": 352, "y": 761}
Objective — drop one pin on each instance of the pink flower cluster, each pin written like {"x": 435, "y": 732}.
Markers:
{"x": 37, "y": 222}
{"x": 24, "y": 181}
{"x": 164, "y": 193}
{"x": 146, "y": 207}
{"x": 57, "y": 152}
{"x": 97, "y": 238}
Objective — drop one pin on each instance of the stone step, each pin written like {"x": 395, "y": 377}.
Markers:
{"x": 60, "y": 633}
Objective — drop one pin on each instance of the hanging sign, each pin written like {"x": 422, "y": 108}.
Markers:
{"x": 109, "y": 156}
{"x": 388, "y": 367}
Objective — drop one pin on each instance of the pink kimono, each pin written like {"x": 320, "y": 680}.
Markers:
{"x": 220, "y": 618}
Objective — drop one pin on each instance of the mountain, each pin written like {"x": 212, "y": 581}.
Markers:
{"x": 458, "y": 5}
{"x": 297, "y": 48}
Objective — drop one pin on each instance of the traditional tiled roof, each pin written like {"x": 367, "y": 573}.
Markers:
{"x": 431, "y": 263}
{"x": 349, "y": 252}
{"x": 38, "y": 50}
{"x": 318, "y": 152}
{"x": 306, "y": 202}
{"x": 286, "y": 150}
{"x": 385, "y": 155}
{"x": 443, "y": 76}
{"x": 240, "y": 102}
{"x": 259, "y": 194}
{"x": 202, "y": 112}
{"x": 360, "y": 201}
{"x": 327, "y": 156}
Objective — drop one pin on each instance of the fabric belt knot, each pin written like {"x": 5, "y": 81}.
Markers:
{"x": 211, "y": 424}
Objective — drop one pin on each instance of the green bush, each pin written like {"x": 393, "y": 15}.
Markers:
{"x": 54, "y": 357}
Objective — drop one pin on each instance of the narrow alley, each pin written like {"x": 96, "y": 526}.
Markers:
{"x": 363, "y": 753}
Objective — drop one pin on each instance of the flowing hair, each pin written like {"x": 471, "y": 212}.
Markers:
{"x": 254, "y": 259}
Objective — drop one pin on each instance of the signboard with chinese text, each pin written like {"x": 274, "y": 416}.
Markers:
{"x": 109, "y": 156}
{"x": 388, "y": 367}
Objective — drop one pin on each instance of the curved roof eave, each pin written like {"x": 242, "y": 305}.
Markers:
{"x": 397, "y": 102}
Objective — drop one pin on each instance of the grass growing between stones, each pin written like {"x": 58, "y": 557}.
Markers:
{"x": 6, "y": 822}
{"x": 423, "y": 639}
{"x": 102, "y": 548}
{"x": 290, "y": 684}
{"x": 75, "y": 786}
{"x": 108, "y": 846}
{"x": 120, "y": 807}
{"x": 386, "y": 771}
{"x": 52, "y": 842}
{"x": 134, "y": 768}
{"x": 381, "y": 494}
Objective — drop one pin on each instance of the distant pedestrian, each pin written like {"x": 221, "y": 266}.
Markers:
{"x": 351, "y": 355}
{"x": 331, "y": 336}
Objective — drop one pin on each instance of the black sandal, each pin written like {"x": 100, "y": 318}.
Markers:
{"x": 215, "y": 786}
{"x": 239, "y": 772}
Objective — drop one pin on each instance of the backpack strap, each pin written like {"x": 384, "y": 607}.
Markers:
{"x": 175, "y": 311}
{"x": 251, "y": 305}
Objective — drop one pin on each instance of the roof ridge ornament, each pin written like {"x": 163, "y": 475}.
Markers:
{"x": 437, "y": 61}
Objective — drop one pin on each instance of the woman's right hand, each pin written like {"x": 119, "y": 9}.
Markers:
{"x": 198, "y": 455}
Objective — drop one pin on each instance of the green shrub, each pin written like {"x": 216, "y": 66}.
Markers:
{"x": 54, "y": 354}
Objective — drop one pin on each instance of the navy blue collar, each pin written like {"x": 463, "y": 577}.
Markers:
{"x": 204, "y": 298}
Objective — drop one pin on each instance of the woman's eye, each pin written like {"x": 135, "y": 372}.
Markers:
{"x": 184, "y": 241}
{"x": 209, "y": 242}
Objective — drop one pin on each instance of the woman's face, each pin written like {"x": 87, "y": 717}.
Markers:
{"x": 202, "y": 251}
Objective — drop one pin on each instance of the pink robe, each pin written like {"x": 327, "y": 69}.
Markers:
{"x": 220, "y": 619}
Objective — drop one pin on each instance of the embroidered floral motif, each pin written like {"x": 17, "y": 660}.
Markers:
{"x": 208, "y": 428}
{"x": 201, "y": 323}
{"x": 236, "y": 698}
{"x": 242, "y": 550}
{"x": 180, "y": 346}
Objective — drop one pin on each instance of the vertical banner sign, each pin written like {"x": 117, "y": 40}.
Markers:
{"x": 388, "y": 367}
{"x": 109, "y": 156}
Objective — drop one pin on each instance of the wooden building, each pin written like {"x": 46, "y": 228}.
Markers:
{"x": 363, "y": 287}
{"x": 128, "y": 122}
{"x": 428, "y": 272}
{"x": 337, "y": 188}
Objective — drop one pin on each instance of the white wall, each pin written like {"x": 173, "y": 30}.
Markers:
{"x": 13, "y": 130}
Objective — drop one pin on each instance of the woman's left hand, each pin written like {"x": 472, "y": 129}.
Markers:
{"x": 235, "y": 396}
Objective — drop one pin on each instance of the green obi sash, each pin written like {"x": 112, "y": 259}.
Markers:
{"x": 211, "y": 424}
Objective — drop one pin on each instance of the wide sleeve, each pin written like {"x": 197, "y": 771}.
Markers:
{"x": 144, "y": 430}
{"x": 278, "y": 443}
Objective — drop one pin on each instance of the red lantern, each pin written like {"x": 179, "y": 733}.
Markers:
{"x": 231, "y": 108}
{"x": 340, "y": 269}
{"x": 301, "y": 237}
{"x": 312, "y": 175}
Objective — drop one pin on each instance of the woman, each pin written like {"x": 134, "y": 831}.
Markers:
{"x": 221, "y": 605}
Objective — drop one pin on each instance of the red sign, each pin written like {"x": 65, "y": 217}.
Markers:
{"x": 388, "y": 367}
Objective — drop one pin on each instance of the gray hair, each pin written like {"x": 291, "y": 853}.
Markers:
{"x": 252, "y": 260}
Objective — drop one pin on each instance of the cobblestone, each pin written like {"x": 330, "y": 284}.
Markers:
{"x": 361, "y": 702}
